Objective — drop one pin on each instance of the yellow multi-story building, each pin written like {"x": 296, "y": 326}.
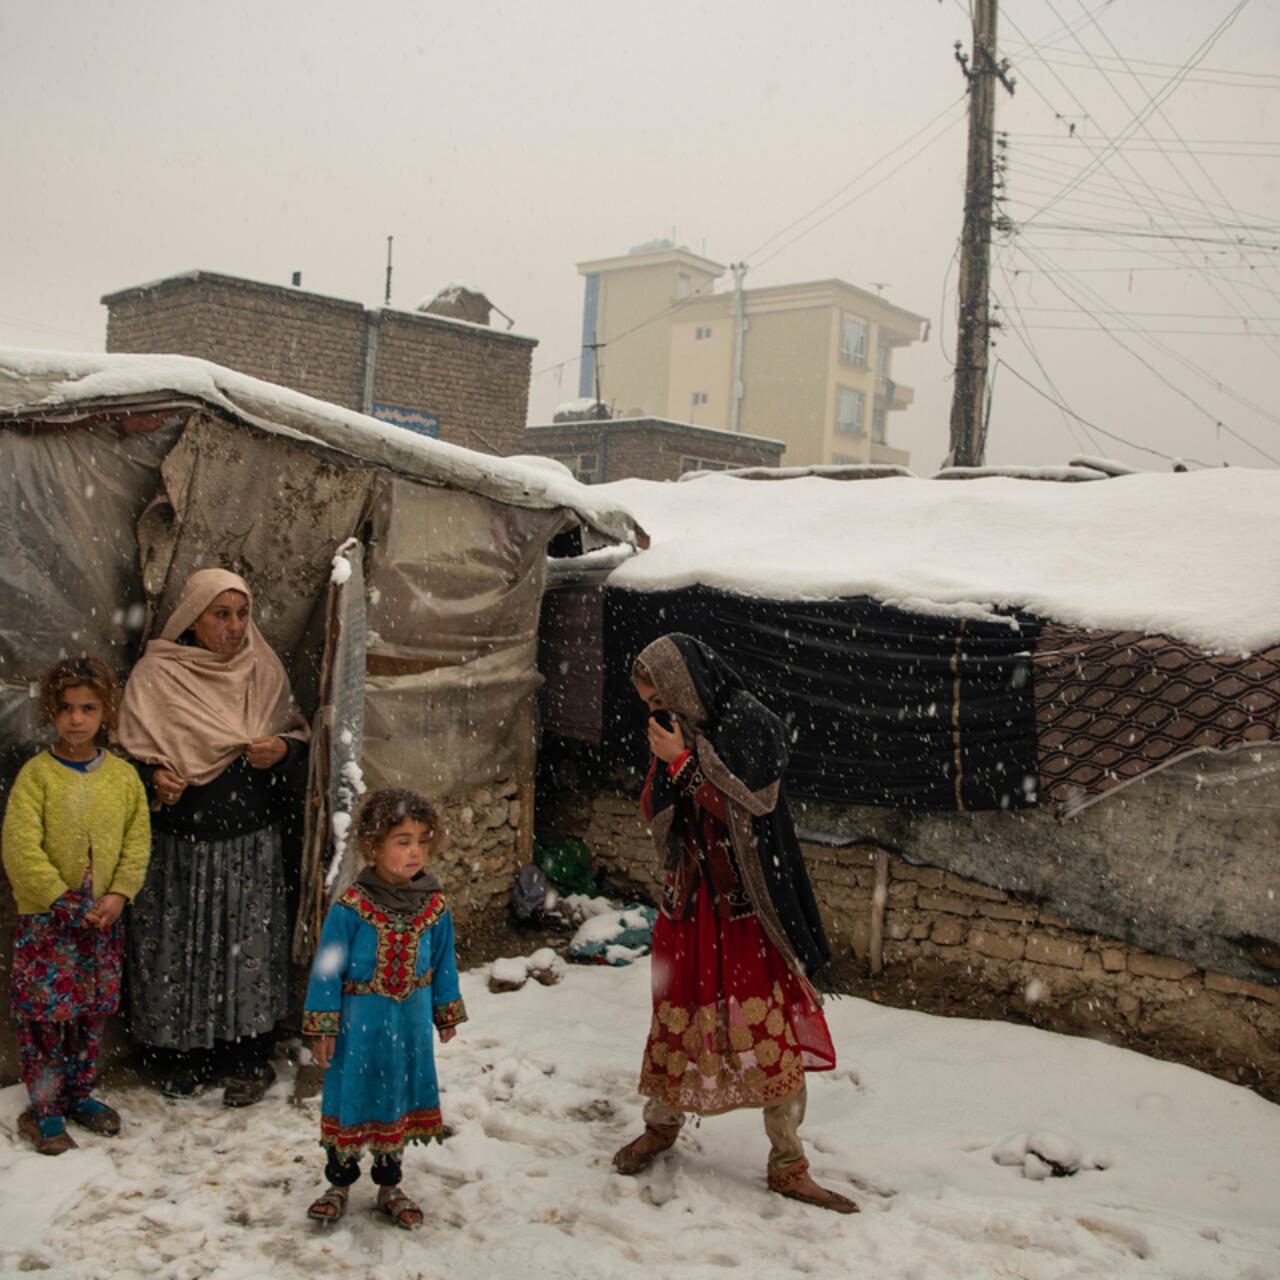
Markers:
{"x": 810, "y": 364}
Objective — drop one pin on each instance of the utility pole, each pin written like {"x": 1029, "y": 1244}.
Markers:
{"x": 739, "y": 270}
{"x": 968, "y": 434}
{"x": 595, "y": 346}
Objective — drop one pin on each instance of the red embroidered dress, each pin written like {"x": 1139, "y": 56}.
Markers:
{"x": 732, "y": 1025}
{"x": 381, "y": 982}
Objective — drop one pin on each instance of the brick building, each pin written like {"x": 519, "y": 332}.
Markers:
{"x": 597, "y": 451}
{"x": 446, "y": 377}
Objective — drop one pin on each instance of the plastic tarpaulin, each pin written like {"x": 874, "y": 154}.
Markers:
{"x": 270, "y": 509}
{"x": 70, "y": 497}
{"x": 886, "y": 707}
{"x": 455, "y": 583}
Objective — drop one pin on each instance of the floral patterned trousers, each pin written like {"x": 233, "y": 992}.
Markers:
{"x": 59, "y": 1061}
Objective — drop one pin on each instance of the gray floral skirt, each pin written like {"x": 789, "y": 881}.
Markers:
{"x": 208, "y": 941}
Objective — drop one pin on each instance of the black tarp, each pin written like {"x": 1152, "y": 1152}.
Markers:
{"x": 887, "y": 707}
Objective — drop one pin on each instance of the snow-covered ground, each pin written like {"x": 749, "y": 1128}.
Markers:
{"x": 1181, "y": 1173}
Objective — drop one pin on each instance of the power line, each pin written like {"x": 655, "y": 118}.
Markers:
{"x": 1139, "y": 234}
{"x": 1051, "y": 171}
{"x": 1022, "y": 333}
{"x": 854, "y": 180}
{"x": 1193, "y": 188}
{"x": 697, "y": 293}
{"x": 1171, "y": 85}
{"x": 1224, "y": 76}
{"x": 866, "y": 190}
{"x": 1093, "y": 426}
{"x": 1176, "y": 356}
{"x": 1101, "y": 158}
{"x": 1146, "y": 329}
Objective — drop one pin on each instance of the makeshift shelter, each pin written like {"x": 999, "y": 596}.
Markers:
{"x": 990, "y": 676}
{"x": 399, "y": 579}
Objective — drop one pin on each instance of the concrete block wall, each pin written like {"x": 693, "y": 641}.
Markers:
{"x": 953, "y": 946}
{"x": 474, "y": 379}
{"x": 650, "y": 448}
{"x": 305, "y": 341}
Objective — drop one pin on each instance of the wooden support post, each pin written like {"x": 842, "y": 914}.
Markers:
{"x": 879, "y": 897}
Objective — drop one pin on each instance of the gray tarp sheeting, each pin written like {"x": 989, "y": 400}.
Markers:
{"x": 114, "y": 493}
{"x": 70, "y": 498}
{"x": 39, "y": 382}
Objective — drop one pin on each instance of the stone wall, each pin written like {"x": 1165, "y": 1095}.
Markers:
{"x": 952, "y": 945}
{"x": 483, "y": 852}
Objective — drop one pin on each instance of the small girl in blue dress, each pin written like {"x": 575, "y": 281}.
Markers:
{"x": 384, "y": 975}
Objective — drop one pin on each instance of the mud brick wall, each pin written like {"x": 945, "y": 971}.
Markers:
{"x": 957, "y": 947}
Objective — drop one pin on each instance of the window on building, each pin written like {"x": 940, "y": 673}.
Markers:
{"x": 701, "y": 464}
{"x": 853, "y": 341}
{"x": 704, "y": 331}
{"x": 882, "y": 361}
{"x": 684, "y": 284}
{"x": 585, "y": 466}
{"x": 699, "y": 397}
{"x": 878, "y": 423}
{"x": 844, "y": 460}
{"x": 850, "y": 410}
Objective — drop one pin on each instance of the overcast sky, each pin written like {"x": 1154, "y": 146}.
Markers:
{"x": 500, "y": 143}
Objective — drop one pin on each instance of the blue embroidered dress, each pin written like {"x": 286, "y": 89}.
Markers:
{"x": 381, "y": 982}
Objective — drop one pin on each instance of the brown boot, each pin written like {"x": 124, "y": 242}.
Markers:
{"x": 53, "y": 1144}
{"x": 796, "y": 1183}
{"x": 639, "y": 1154}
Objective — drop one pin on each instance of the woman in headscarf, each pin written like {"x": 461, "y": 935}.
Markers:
{"x": 209, "y": 718}
{"x": 736, "y": 1021}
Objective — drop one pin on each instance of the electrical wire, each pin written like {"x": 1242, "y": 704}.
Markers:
{"x": 1194, "y": 188}
{"x": 1174, "y": 82}
{"x": 1021, "y": 331}
{"x": 1176, "y": 356}
{"x": 671, "y": 308}
{"x": 1093, "y": 426}
{"x": 950, "y": 107}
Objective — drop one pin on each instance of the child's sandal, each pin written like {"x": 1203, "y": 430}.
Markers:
{"x": 330, "y": 1206}
{"x": 398, "y": 1207}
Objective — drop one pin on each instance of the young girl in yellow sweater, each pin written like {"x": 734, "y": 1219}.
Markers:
{"x": 76, "y": 840}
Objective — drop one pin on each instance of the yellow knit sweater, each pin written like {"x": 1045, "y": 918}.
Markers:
{"x": 56, "y": 815}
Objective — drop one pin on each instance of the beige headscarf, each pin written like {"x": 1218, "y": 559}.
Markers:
{"x": 194, "y": 711}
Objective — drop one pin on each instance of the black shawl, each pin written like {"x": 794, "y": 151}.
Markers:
{"x": 742, "y": 749}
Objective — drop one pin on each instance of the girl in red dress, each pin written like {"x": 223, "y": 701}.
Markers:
{"x": 736, "y": 1020}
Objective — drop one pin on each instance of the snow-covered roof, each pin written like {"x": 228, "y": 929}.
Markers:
{"x": 44, "y": 382}
{"x": 1194, "y": 555}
